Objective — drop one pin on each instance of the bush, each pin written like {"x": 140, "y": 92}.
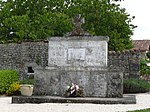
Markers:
{"x": 27, "y": 81}
{"x": 7, "y": 77}
{"x": 148, "y": 54}
{"x": 13, "y": 89}
{"x": 135, "y": 86}
{"x": 144, "y": 69}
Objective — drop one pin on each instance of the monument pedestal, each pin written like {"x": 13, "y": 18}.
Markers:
{"x": 95, "y": 83}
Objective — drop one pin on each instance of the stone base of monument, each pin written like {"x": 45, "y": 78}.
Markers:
{"x": 104, "y": 83}
{"x": 126, "y": 99}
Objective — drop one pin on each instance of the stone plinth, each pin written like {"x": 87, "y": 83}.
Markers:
{"x": 95, "y": 83}
{"x": 126, "y": 99}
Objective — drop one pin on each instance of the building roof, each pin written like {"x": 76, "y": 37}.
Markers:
{"x": 142, "y": 45}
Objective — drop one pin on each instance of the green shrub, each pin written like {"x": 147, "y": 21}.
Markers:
{"x": 13, "y": 89}
{"x": 135, "y": 86}
{"x": 148, "y": 54}
{"x": 27, "y": 81}
{"x": 144, "y": 69}
{"x": 7, "y": 77}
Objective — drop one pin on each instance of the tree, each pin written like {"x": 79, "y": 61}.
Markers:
{"x": 30, "y": 20}
{"x": 37, "y": 19}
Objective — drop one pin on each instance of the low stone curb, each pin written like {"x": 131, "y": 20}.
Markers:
{"x": 127, "y": 99}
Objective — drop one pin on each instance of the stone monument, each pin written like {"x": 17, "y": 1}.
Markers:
{"x": 79, "y": 58}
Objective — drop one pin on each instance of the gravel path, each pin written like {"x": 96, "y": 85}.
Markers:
{"x": 143, "y": 101}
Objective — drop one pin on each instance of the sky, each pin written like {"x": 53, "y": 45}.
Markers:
{"x": 141, "y": 10}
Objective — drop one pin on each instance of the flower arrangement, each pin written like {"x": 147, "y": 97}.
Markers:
{"x": 74, "y": 91}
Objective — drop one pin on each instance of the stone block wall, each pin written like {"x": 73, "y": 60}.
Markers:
{"x": 35, "y": 52}
{"x": 24, "y": 55}
{"x": 10, "y": 56}
{"x": 129, "y": 60}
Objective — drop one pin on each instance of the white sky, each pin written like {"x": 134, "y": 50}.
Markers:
{"x": 141, "y": 10}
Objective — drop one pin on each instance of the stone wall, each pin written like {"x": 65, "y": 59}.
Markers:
{"x": 10, "y": 56}
{"x": 21, "y": 56}
{"x": 129, "y": 60}
{"x": 24, "y": 55}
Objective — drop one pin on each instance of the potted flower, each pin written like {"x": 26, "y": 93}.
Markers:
{"x": 74, "y": 91}
{"x": 26, "y": 87}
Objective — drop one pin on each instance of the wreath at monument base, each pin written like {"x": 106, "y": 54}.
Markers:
{"x": 74, "y": 91}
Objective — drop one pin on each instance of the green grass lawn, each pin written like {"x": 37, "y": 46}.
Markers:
{"x": 144, "y": 110}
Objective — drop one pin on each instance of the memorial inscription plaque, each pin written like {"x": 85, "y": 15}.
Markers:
{"x": 76, "y": 54}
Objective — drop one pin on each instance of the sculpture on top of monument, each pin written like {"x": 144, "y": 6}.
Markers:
{"x": 78, "y": 31}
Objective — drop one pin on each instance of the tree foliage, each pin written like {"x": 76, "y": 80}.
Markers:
{"x": 29, "y": 20}
{"x": 34, "y": 20}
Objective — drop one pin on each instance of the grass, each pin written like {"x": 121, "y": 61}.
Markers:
{"x": 144, "y": 110}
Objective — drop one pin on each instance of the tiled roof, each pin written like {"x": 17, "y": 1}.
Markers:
{"x": 142, "y": 45}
